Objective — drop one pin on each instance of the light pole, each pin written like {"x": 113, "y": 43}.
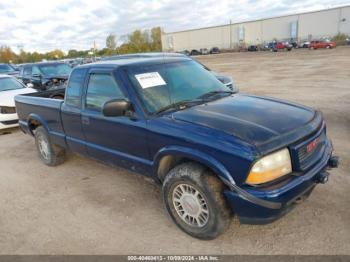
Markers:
{"x": 230, "y": 34}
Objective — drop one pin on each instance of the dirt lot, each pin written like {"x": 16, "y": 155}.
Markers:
{"x": 83, "y": 207}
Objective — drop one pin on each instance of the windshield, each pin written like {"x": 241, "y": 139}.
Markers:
{"x": 56, "y": 69}
{"x": 9, "y": 83}
{"x": 6, "y": 69}
{"x": 162, "y": 85}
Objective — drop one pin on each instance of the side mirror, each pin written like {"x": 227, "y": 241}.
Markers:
{"x": 29, "y": 85}
{"x": 116, "y": 107}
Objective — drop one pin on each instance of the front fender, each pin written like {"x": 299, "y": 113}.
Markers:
{"x": 198, "y": 156}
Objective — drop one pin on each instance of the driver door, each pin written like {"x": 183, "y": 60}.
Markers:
{"x": 117, "y": 140}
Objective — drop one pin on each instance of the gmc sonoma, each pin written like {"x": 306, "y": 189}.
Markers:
{"x": 214, "y": 152}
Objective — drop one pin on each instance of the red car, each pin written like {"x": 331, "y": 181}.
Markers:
{"x": 284, "y": 45}
{"x": 275, "y": 46}
{"x": 322, "y": 44}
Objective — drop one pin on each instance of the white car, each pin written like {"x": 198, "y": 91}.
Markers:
{"x": 9, "y": 88}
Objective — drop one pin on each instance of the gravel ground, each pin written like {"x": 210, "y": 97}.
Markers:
{"x": 84, "y": 207}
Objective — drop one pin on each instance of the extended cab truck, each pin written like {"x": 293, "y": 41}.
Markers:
{"x": 215, "y": 152}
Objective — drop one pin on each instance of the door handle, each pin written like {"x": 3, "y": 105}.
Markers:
{"x": 85, "y": 120}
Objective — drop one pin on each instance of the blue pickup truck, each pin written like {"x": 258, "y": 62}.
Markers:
{"x": 216, "y": 153}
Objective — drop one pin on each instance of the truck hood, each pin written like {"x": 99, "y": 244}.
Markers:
{"x": 7, "y": 98}
{"x": 256, "y": 120}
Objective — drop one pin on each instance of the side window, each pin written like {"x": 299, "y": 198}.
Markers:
{"x": 101, "y": 88}
{"x": 36, "y": 71}
{"x": 75, "y": 83}
{"x": 27, "y": 71}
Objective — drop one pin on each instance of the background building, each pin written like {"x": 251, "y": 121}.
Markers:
{"x": 304, "y": 26}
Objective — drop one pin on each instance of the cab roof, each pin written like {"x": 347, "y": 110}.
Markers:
{"x": 44, "y": 63}
{"x": 135, "y": 61}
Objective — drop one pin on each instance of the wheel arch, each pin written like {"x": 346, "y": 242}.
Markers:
{"x": 169, "y": 157}
{"x": 34, "y": 121}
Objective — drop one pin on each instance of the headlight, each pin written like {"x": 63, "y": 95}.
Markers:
{"x": 270, "y": 167}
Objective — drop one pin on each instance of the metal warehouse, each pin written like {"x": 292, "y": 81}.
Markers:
{"x": 297, "y": 27}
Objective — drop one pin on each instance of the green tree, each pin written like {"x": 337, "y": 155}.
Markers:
{"x": 72, "y": 53}
{"x": 7, "y": 55}
{"x": 54, "y": 55}
{"x": 110, "y": 42}
{"x": 156, "y": 36}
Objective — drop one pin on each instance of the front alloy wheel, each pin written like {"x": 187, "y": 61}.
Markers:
{"x": 193, "y": 197}
{"x": 190, "y": 205}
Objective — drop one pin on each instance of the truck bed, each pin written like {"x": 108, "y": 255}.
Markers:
{"x": 45, "y": 105}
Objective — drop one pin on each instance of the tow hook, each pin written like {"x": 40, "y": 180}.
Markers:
{"x": 333, "y": 162}
{"x": 323, "y": 177}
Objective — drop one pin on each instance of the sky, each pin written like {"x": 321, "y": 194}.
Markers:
{"x": 44, "y": 25}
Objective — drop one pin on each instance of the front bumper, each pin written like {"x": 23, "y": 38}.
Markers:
{"x": 264, "y": 205}
{"x": 8, "y": 121}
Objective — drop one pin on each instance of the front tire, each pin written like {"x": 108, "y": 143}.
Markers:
{"x": 50, "y": 154}
{"x": 193, "y": 197}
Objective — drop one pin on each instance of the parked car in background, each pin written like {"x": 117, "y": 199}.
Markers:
{"x": 14, "y": 66}
{"x": 195, "y": 52}
{"x": 284, "y": 46}
{"x": 305, "y": 44}
{"x": 73, "y": 62}
{"x": 253, "y": 48}
{"x": 322, "y": 44}
{"x": 278, "y": 46}
{"x": 45, "y": 75}
{"x": 214, "y": 50}
{"x": 215, "y": 153}
{"x": 8, "y": 70}
{"x": 185, "y": 52}
{"x": 204, "y": 51}
{"x": 294, "y": 44}
{"x": 9, "y": 88}
{"x": 271, "y": 46}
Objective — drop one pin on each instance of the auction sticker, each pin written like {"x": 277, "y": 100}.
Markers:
{"x": 151, "y": 79}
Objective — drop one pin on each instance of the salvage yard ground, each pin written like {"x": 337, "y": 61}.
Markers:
{"x": 83, "y": 207}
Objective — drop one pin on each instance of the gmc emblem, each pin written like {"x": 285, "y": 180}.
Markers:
{"x": 312, "y": 145}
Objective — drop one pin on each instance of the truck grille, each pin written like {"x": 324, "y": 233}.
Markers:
{"x": 312, "y": 150}
{"x": 9, "y": 122}
{"x": 7, "y": 110}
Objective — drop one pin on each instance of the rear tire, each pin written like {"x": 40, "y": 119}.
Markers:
{"x": 193, "y": 197}
{"x": 50, "y": 154}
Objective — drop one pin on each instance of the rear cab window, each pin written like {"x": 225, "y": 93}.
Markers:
{"x": 74, "y": 87}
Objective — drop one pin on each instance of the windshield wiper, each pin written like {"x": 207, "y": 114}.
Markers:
{"x": 214, "y": 93}
{"x": 180, "y": 105}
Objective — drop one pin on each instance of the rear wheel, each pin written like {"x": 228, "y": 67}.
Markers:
{"x": 50, "y": 154}
{"x": 194, "y": 199}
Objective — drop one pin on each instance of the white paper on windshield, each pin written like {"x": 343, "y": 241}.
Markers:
{"x": 151, "y": 79}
